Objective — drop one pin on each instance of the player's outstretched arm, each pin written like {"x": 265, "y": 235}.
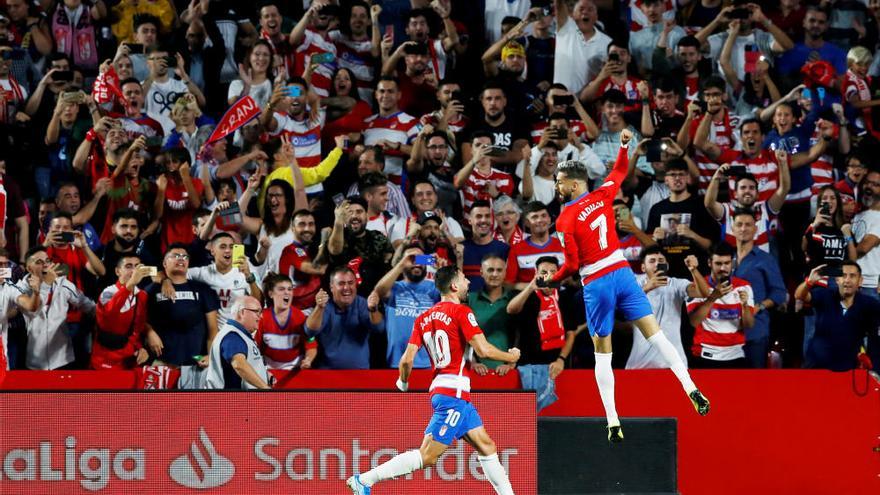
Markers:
{"x": 406, "y": 366}
{"x": 486, "y": 350}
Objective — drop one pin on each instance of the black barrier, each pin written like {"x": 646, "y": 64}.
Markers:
{"x": 575, "y": 458}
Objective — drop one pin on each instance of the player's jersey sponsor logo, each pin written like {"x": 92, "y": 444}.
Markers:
{"x": 215, "y": 470}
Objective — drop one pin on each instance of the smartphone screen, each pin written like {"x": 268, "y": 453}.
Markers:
{"x": 663, "y": 267}
{"x": 5, "y": 273}
{"x": 752, "y": 56}
{"x": 424, "y": 259}
{"x": 237, "y": 252}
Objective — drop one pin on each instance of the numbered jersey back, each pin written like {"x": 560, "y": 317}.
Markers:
{"x": 445, "y": 331}
{"x": 589, "y": 221}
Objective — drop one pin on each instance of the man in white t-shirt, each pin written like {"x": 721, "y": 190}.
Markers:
{"x": 373, "y": 187}
{"x": 229, "y": 278}
{"x": 162, "y": 90}
{"x": 666, "y": 295}
{"x": 580, "y": 47}
{"x": 866, "y": 231}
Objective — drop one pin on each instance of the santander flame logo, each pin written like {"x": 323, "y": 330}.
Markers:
{"x": 213, "y": 471}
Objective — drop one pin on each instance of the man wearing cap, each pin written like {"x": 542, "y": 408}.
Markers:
{"x": 424, "y": 200}
{"x": 429, "y": 236}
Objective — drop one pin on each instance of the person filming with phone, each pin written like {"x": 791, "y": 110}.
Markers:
{"x": 121, "y": 316}
{"x": 722, "y": 320}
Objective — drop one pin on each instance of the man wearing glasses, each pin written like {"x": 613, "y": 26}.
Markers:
{"x": 182, "y": 324}
{"x": 866, "y": 231}
{"x": 235, "y": 361}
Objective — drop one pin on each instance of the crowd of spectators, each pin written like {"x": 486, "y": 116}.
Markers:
{"x": 140, "y": 206}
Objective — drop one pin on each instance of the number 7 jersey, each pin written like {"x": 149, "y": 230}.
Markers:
{"x": 588, "y": 232}
{"x": 445, "y": 331}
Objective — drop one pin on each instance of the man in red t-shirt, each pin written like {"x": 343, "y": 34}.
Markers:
{"x": 296, "y": 263}
{"x": 179, "y": 195}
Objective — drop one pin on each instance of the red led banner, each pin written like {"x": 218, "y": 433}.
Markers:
{"x": 245, "y": 442}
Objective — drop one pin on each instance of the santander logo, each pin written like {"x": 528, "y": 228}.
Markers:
{"x": 210, "y": 472}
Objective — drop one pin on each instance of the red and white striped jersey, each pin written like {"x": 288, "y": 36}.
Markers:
{"x": 322, "y": 77}
{"x": 725, "y": 134}
{"x": 765, "y": 222}
{"x": 305, "y": 286}
{"x": 720, "y": 336}
{"x": 357, "y": 57}
{"x": 446, "y": 330}
{"x": 523, "y": 255}
{"x": 400, "y": 128}
{"x": 282, "y": 344}
{"x": 476, "y": 184}
{"x": 580, "y": 130}
{"x": 382, "y": 223}
{"x": 305, "y": 136}
{"x": 763, "y": 167}
{"x": 631, "y": 249}
{"x": 628, "y": 88}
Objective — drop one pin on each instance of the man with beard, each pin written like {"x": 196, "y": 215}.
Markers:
{"x": 344, "y": 323}
{"x": 424, "y": 200}
{"x": 770, "y": 43}
{"x": 102, "y": 149}
{"x": 745, "y": 195}
{"x": 418, "y": 86}
{"x": 695, "y": 232}
{"x": 366, "y": 252}
{"x": 722, "y": 320}
{"x": 125, "y": 241}
{"x": 428, "y": 234}
{"x": 570, "y": 146}
{"x": 391, "y": 129}
{"x": 404, "y": 301}
{"x": 687, "y": 65}
{"x": 866, "y": 231}
{"x": 539, "y": 243}
{"x": 311, "y": 36}
{"x": 579, "y": 44}
{"x": 162, "y": 90}
{"x": 180, "y": 330}
{"x": 128, "y": 189}
{"x": 505, "y": 130}
{"x": 482, "y": 243}
{"x": 509, "y": 72}
{"x": 372, "y": 159}
{"x": 304, "y": 271}
{"x": 357, "y": 47}
{"x": 844, "y": 317}
{"x": 813, "y": 47}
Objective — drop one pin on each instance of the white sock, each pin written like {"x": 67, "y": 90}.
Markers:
{"x": 494, "y": 472}
{"x": 662, "y": 344}
{"x": 399, "y": 465}
{"x": 605, "y": 381}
